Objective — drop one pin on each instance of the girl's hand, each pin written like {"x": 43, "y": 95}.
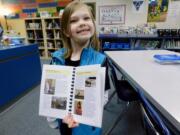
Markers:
{"x": 70, "y": 121}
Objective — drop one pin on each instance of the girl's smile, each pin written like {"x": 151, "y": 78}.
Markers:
{"x": 83, "y": 31}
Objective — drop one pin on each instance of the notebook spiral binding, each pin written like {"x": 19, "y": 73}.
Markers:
{"x": 72, "y": 91}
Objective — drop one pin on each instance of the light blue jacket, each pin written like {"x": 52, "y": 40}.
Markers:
{"x": 88, "y": 57}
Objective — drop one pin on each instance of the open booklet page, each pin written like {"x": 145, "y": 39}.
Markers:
{"x": 54, "y": 92}
{"x": 83, "y": 97}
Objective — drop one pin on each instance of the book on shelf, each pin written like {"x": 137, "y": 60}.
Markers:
{"x": 75, "y": 90}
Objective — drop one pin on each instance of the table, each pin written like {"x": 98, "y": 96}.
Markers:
{"x": 159, "y": 83}
{"x": 20, "y": 70}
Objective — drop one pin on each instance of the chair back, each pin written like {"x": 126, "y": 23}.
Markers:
{"x": 153, "y": 116}
{"x": 123, "y": 88}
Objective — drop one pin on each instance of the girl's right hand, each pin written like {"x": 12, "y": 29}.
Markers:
{"x": 69, "y": 120}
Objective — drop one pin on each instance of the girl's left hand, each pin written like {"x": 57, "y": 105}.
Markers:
{"x": 69, "y": 120}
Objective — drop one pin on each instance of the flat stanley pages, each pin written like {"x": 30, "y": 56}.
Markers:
{"x": 75, "y": 90}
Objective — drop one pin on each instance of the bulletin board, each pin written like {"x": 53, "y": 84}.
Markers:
{"x": 113, "y": 14}
{"x": 33, "y": 8}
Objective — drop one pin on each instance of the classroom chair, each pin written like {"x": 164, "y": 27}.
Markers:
{"x": 124, "y": 91}
{"x": 153, "y": 123}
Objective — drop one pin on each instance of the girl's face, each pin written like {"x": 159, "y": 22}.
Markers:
{"x": 81, "y": 25}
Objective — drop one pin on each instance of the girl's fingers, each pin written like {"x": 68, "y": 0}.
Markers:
{"x": 65, "y": 119}
{"x": 69, "y": 120}
{"x": 72, "y": 123}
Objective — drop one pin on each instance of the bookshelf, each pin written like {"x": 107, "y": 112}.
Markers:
{"x": 115, "y": 42}
{"x": 46, "y": 33}
{"x": 52, "y": 34}
{"x": 34, "y": 33}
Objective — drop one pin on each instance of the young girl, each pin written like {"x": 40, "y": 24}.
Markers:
{"x": 80, "y": 48}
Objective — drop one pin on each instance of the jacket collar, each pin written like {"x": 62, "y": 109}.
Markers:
{"x": 58, "y": 56}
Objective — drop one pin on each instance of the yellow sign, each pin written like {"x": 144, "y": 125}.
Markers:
{"x": 50, "y": 9}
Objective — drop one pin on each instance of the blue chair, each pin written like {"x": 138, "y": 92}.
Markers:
{"x": 153, "y": 122}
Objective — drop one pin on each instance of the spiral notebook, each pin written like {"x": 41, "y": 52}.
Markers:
{"x": 75, "y": 90}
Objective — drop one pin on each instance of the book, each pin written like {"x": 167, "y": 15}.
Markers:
{"x": 167, "y": 58}
{"x": 75, "y": 90}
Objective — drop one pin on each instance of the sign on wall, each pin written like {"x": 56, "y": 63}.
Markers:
{"x": 114, "y": 14}
{"x": 138, "y": 6}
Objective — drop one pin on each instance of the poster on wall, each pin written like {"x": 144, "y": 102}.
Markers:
{"x": 157, "y": 10}
{"x": 114, "y": 14}
{"x": 138, "y": 6}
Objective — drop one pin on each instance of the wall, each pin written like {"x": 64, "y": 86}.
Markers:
{"x": 2, "y": 20}
{"x": 18, "y": 26}
{"x": 173, "y": 17}
{"x": 132, "y": 19}
{"x": 15, "y": 24}
{"x": 24, "y": 9}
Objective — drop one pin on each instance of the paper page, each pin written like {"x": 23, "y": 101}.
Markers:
{"x": 89, "y": 95}
{"x": 54, "y": 91}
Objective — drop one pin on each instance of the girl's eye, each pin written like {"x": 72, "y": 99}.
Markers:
{"x": 73, "y": 21}
{"x": 86, "y": 18}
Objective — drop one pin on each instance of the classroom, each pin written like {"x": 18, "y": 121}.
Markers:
{"x": 139, "y": 41}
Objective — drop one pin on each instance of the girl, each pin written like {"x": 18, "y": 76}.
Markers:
{"x": 80, "y": 48}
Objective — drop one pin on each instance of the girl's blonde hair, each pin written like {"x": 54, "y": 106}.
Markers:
{"x": 65, "y": 22}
